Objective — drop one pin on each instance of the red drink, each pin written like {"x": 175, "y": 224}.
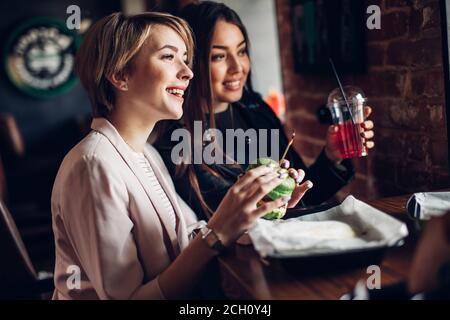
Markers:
{"x": 347, "y": 113}
{"x": 349, "y": 140}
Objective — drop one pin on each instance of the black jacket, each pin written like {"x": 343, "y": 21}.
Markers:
{"x": 327, "y": 177}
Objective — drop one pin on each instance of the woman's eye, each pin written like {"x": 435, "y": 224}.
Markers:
{"x": 169, "y": 57}
{"x": 242, "y": 52}
{"x": 217, "y": 57}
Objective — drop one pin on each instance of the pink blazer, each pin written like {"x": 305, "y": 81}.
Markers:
{"x": 113, "y": 236}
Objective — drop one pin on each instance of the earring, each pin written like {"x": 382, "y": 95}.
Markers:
{"x": 208, "y": 135}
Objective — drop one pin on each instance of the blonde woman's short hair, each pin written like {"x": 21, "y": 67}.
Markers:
{"x": 109, "y": 48}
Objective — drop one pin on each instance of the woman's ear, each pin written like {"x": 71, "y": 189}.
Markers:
{"x": 119, "y": 80}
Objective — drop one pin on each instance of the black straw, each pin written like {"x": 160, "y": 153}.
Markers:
{"x": 342, "y": 90}
{"x": 339, "y": 83}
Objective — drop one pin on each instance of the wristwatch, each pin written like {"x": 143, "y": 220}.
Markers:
{"x": 211, "y": 239}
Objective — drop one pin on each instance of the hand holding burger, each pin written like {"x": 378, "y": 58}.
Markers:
{"x": 291, "y": 187}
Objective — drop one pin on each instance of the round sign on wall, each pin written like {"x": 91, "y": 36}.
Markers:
{"x": 40, "y": 57}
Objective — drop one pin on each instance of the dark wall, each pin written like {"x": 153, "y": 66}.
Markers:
{"x": 405, "y": 87}
{"x": 50, "y": 127}
{"x": 45, "y": 122}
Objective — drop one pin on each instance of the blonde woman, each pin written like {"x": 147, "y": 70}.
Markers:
{"x": 117, "y": 220}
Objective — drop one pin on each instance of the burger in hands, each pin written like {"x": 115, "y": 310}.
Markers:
{"x": 285, "y": 189}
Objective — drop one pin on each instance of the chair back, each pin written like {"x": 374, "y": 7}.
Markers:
{"x": 16, "y": 270}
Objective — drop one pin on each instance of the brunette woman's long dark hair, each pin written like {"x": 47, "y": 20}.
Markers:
{"x": 202, "y": 18}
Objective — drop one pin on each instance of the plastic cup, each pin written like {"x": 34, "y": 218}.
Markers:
{"x": 349, "y": 121}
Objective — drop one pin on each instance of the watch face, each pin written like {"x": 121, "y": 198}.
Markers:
{"x": 211, "y": 239}
{"x": 205, "y": 231}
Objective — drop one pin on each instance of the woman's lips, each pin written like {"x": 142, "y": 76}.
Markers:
{"x": 176, "y": 93}
{"x": 232, "y": 85}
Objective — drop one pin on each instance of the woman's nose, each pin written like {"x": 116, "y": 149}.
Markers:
{"x": 235, "y": 65}
{"x": 185, "y": 73}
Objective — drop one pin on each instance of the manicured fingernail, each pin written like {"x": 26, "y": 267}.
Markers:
{"x": 298, "y": 180}
{"x": 285, "y": 164}
{"x": 283, "y": 175}
{"x": 309, "y": 184}
{"x": 286, "y": 199}
{"x": 293, "y": 173}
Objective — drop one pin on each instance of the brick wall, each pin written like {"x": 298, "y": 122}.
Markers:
{"x": 405, "y": 85}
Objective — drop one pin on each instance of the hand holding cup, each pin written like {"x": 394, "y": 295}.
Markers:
{"x": 351, "y": 134}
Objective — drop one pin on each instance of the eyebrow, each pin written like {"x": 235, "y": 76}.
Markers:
{"x": 173, "y": 48}
{"x": 225, "y": 47}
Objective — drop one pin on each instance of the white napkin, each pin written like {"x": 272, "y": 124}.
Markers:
{"x": 294, "y": 237}
{"x": 425, "y": 205}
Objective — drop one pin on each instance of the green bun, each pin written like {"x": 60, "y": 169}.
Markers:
{"x": 261, "y": 162}
{"x": 285, "y": 189}
{"x": 275, "y": 214}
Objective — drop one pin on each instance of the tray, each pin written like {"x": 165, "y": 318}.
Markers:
{"x": 375, "y": 232}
